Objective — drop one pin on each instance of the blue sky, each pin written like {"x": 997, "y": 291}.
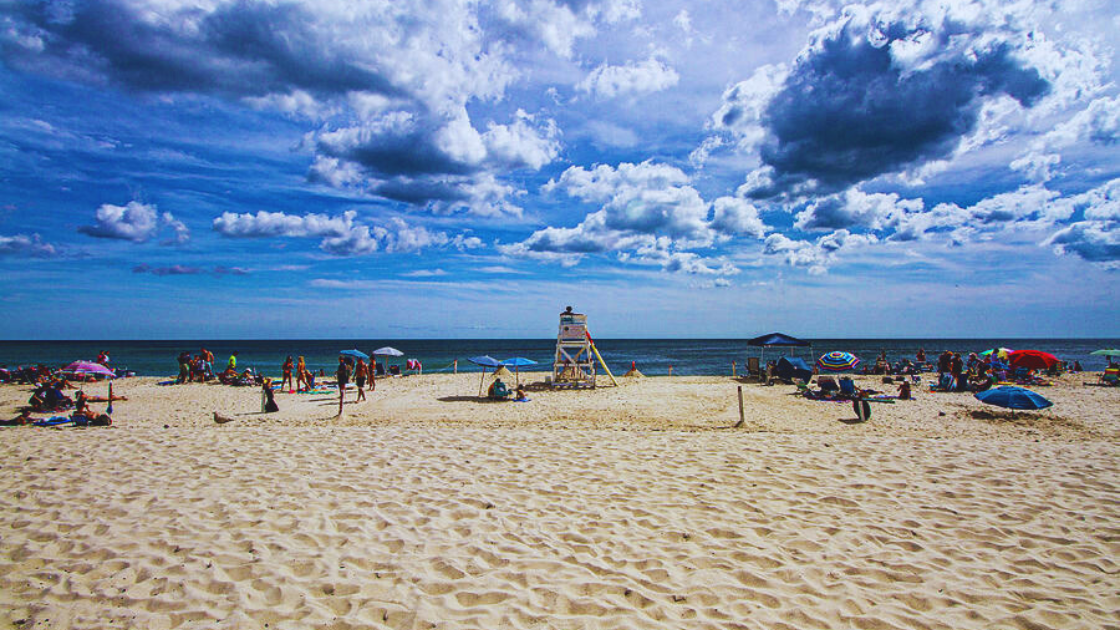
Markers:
{"x": 396, "y": 169}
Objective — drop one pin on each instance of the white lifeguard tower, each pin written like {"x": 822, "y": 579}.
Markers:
{"x": 574, "y": 365}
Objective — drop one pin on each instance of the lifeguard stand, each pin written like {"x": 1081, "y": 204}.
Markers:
{"x": 574, "y": 365}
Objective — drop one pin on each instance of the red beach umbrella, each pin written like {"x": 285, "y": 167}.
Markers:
{"x": 1033, "y": 359}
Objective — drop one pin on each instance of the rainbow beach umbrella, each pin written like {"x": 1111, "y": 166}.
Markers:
{"x": 837, "y": 361}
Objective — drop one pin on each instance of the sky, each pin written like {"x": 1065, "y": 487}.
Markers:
{"x": 450, "y": 169}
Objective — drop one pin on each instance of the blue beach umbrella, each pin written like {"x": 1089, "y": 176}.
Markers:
{"x": 516, "y": 363}
{"x": 1011, "y": 397}
{"x": 837, "y": 361}
{"x": 1106, "y": 352}
{"x": 484, "y": 361}
{"x": 358, "y": 354}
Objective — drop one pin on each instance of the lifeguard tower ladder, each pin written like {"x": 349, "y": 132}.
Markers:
{"x": 574, "y": 365}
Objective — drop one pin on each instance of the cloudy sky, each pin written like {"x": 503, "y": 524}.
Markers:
{"x": 434, "y": 168}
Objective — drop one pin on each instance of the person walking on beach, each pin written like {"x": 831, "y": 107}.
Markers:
{"x": 287, "y": 369}
{"x": 343, "y": 376}
{"x": 360, "y": 380}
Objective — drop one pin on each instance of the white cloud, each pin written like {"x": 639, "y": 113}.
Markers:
{"x": 817, "y": 255}
{"x": 734, "y": 215}
{"x": 26, "y": 245}
{"x": 643, "y": 77}
{"x": 855, "y": 208}
{"x": 134, "y": 221}
{"x": 340, "y": 235}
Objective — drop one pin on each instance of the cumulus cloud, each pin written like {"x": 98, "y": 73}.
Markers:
{"x": 816, "y": 255}
{"x": 648, "y": 212}
{"x": 855, "y": 209}
{"x": 1097, "y": 237}
{"x": 26, "y": 245}
{"x": 340, "y": 235}
{"x": 391, "y": 80}
{"x": 880, "y": 89}
{"x": 1098, "y": 123}
{"x": 136, "y": 222}
{"x": 441, "y": 162}
{"x": 643, "y": 77}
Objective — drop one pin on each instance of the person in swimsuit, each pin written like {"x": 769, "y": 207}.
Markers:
{"x": 301, "y": 369}
{"x": 343, "y": 376}
{"x": 360, "y": 379}
{"x": 287, "y": 369}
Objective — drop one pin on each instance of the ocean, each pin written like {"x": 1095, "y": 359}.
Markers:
{"x": 688, "y": 357}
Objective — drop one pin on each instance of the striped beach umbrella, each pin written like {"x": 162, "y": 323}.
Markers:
{"x": 837, "y": 361}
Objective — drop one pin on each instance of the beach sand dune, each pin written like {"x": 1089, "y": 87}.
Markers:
{"x": 633, "y": 507}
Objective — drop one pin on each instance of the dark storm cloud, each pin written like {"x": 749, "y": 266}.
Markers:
{"x": 847, "y": 112}
{"x": 244, "y": 49}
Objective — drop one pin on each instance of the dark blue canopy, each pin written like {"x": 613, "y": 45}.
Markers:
{"x": 794, "y": 368}
{"x": 777, "y": 339}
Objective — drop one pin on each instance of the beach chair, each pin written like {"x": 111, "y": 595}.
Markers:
{"x": 753, "y": 369}
{"x": 848, "y": 387}
{"x": 394, "y": 370}
{"x": 827, "y": 384}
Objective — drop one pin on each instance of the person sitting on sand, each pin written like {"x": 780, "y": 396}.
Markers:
{"x": 498, "y": 390}
{"x": 270, "y": 405}
{"x": 519, "y": 393}
{"x": 904, "y": 391}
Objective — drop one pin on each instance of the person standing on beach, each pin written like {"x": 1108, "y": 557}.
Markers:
{"x": 343, "y": 376}
{"x": 360, "y": 380}
{"x": 373, "y": 373}
{"x": 301, "y": 368}
{"x": 287, "y": 369}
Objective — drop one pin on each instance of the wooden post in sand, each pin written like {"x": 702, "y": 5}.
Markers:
{"x": 742, "y": 418}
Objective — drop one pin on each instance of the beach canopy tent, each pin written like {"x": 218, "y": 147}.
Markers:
{"x": 1010, "y": 397}
{"x": 484, "y": 361}
{"x": 790, "y": 368}
{"x": 777, "y": 340}
{"x": 357, "y": 354}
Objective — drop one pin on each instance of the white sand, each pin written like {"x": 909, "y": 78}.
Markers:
{"x": 634, "y": 507}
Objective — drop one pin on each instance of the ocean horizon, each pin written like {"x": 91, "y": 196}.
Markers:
{"x": 687, "y": 357}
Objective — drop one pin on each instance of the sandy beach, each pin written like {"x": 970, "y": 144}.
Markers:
{"x": 636, "y": 506}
